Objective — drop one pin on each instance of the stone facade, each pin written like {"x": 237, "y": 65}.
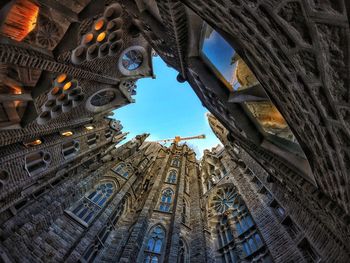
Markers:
{"x": 295, "y": 225}
{"x": 67, "y": 194}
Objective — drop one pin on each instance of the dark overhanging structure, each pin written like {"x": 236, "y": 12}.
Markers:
{"x": 274, "y": 74}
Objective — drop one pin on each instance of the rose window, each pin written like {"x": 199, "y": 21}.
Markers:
{"x": 132, "y": 59}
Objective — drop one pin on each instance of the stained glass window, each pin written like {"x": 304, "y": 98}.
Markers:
{"x": 175, "y": 162}
{"x": 166, "y": 199}
{"x": 154, "y": 245}
{"x": 121, "y": 169}
{"x": 132, "y": 59}
{"x": 87, "y": 208}
{"x": 172, "y": 177}
{"x": 224, "y": 199}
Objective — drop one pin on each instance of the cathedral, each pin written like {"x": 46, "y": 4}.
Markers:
{"x": 275, "y": 77}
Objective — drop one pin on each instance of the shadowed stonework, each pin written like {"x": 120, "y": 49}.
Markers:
{"x": 275, "y": 77}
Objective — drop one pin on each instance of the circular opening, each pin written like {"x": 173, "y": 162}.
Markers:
{"x": 50, "y": 103}
{"x": 55, "y": 91}
{"x": 132, "y": 59}
{"x": 75, "y": 92}
{"x": 45, "y": 115}
{"x": 92, "y": 49}
{"x": 116, "y": 46}
{"x": 104, "y": 48}
{"x": 99, "y": 24}
{"x": 116, "y": 35}
{"x": 67, "y": 103}
{"x": 47, "y": 157}
{"x": 88, "y": 38}
{"x": 113, "y": 11}
{"x": 61, "y": 78}
{"x": 102, "y": 98}
{"x": 79, "y": 51}
{"x": 101, "y": 37}
{"x": 67, "y": 86}
{"x": 56, "y": 108}
{"x": 61, "y": 97}
{"x": 115, "y": 24}
{"x": 76, "y": 145}
{"x": 4, "y": 175}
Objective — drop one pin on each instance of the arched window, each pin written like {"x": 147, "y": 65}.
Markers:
{"x": 154, "y": 245}
{"x": 175, "y": 162}
{"x": 183, "y": 256}
{"x": 87, "y": 207}
{"x": 185, "y": 212}
{"x": 166, "y": 199}
{"x": 121, "y": 169}
{"x": 187, "y": 186}
{"x": 172, "y": 177}
{"x": 93, "y": 250}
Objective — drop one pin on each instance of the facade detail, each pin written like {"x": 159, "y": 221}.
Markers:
{"x": 274, "y": 76}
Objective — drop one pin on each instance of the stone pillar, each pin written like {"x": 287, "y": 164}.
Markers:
{"x": 200, "y": 248}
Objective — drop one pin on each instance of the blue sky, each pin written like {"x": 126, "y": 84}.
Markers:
{"x": 166, "y": 108}
{"x": 220, "y": 53}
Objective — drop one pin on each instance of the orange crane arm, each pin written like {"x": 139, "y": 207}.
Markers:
{"x": 178, "y": 138}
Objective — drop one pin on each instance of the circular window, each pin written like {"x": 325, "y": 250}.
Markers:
{"x": 224, "y": 199}
{"x": 103, "y": 98}
{"x": 132, "y": 59}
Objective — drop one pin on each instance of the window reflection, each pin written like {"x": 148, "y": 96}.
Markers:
{"x": 270, "y": 119}
{"x": 220, "y": 55}
{"x": 166, "y": 199}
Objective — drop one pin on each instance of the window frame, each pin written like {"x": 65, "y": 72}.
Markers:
{"x": 166, "y": 203}
{"x": 96, "y": 207}
{"x": 151, "y": 253}
{"x": 288, "y": 150}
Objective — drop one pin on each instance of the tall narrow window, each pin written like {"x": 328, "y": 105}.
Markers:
{"x": 172, "y": 177}
{"x": 183, "y": 255}
{"x": 279, "y": 210}
{"x": 154, "y": 245}
{"x": 88, "y": 207}
{"x": 185, "y": 212}
{"x": 308, "y": 251}
{"x": 166, "y": 199}
{"x": 175, "y": 162}
{"x": 187, "y": 185}
{"x": 291, "y": 227}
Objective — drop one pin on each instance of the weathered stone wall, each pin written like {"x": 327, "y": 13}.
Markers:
{"x": 308, "y": 212}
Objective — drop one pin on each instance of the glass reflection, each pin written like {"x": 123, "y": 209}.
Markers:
{"x": 220, "y": 54}
{"x": 227, "y": 64}
{"x": 270, "y": 119}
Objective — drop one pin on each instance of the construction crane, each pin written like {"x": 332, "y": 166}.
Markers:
{"x": 178, "y": 139}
